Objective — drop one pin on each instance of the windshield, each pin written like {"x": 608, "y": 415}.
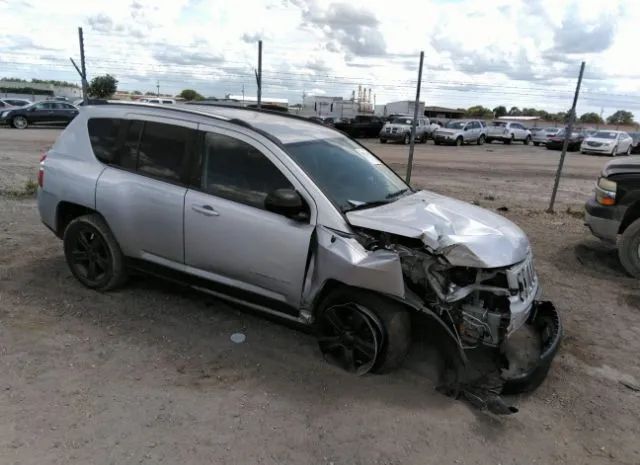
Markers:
{"x": 456, "y": 124}
{"x": 401, "y": 121}
{"x": 349, "y": 175}
{"x": 605, "y": 135}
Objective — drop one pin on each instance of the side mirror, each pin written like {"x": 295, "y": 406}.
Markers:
{"x": 286, "y": 202}
{"x": 466, "y": 128}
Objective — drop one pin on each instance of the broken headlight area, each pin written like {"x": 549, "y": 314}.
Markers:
{"x": 483, "y": 306}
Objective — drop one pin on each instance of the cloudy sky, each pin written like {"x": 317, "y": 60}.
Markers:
{"x": 517, "y": 53}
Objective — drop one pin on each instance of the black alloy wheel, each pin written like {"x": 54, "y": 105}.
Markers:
{"x": 350, "y": 337}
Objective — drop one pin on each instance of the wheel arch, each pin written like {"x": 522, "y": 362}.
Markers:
{"x": 632, "y": 214}
{"x": 415, "y": 309}
{"x": 66, "y": 212}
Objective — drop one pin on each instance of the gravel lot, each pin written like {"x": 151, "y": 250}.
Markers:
{"x": 148, "y": 374}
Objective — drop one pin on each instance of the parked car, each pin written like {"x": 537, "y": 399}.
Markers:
{"x": 361, "y": 126}
{"x": 613, "y": 213}
{"x": 460, "y": 132}
{"x": 635, "y": 144}
{"x": 295, "y": 220}
{"x": 556, "y": 142}
{"x": 13, "y": 102}
{"x": 541, "y": 135}
{"x": 508, "y": 132}
{"x": 39, "y": 113}
{"x": 399, "y": 129}
{"x": 610, "y": 143}
{"x": 161, "y": 101}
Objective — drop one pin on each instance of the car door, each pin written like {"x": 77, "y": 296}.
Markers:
{"x": 470, "y": 131}
{"x": 229, "y": 236}
{"x": 41, "y": 113}
{"x": 141, "y": 192}
{"x": 625, "y": 142}
{"x": 66, "y": 112}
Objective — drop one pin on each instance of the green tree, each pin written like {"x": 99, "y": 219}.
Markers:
{"x": 103, "y": 86}
{"x": 592, "y": 118}
{"x": 499, "y": 111}
{"x": 515, "y": 111}
{"x": 621, "y": 117}
{"x": 478, "y": 111}
{"x": 190, "y": 94}
{"x": 136, "y": 92}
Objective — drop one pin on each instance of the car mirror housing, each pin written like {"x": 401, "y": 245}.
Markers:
{"x": 286, "y": 202}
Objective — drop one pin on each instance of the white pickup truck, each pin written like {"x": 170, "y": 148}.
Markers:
{"x": 508, "y": 132}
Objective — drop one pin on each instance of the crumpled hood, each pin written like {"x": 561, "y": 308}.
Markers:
{"x": 600, "y": 140}
{"x": 399, "y": 127}
{"x": 465, "y": 234}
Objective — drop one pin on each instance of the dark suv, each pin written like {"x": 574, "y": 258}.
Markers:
{"x": 615, "y": 210}
{"x": 361, "y": 126}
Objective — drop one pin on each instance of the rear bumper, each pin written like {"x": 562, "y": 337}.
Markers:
{"x": 500, "y": 137}
{"x": 545, "y": 321}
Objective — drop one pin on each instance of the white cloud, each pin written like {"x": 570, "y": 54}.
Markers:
{"x": 516, "y": 53}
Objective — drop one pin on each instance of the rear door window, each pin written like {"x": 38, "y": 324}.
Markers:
{"x": 162, "y": 150}
{"x": 103, "y": 135}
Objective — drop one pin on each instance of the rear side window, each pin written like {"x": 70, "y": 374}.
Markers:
{"x": 103, "y": 135}
{"x": 235, "y": 170}
{"x": 162, "y": 150}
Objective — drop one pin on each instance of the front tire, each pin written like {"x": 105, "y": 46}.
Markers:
{"x": 407, "y": 139}
{"x": 93, "y": 254}
{"x": 459, "y": 141}
{"x": 481, "y": 140}
{"x": 628, "y": 152}
{"x": 629, "y": 249}
{"x": 527, "y": 140}
{"x": 614, "y": 152}
{"x": 383, "y": 141}
{"x": 536, "y": 144}
{"x": 363, "y": 332}
{"x": 508, "y": 141}
{"x": 20, "y": 122}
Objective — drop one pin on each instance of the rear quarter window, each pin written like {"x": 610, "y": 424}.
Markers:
{"x": 103, "y": 135}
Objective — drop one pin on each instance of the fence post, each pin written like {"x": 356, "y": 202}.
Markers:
{"x": 83, "y": 74}
{"x": 415, "y": 120}
{"x": 259, "y": 74}
{"x": 567, "y": 135}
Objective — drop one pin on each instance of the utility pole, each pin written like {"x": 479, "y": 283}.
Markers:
{"x": 158, "y": 86}
{"x": 567, "y": 135}
{"x": 83, "y": 74}
{"x": 243, "y": 94}
{"x": 259, "y": 74}
{"x": 415, "y": 120}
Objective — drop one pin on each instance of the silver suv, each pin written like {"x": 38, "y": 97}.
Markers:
{"x": 292, "y": 219}
{"x": 458, "y": 132}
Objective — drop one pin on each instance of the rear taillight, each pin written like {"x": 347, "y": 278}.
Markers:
{"x": 41, "y": 170}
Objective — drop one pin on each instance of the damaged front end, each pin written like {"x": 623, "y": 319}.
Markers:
{"x": 482, "y": 309}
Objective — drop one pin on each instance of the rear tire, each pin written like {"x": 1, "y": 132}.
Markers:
{"x": 20, "y": 122}
{"x": 389, "y": 318}
{"x": 383, "y": 141}
{"x": 481, "y": 140}
{"x": 527, "y": 140}
{"x": 93, "y": 254}
{"x": 407, "y": 139}
{"x": 629, "y": 249}
{"x": 628, "y": 152}
{"x": 536, "y": 143}
{"x": 436, "y": 142}
{"x": 508, "y": 141}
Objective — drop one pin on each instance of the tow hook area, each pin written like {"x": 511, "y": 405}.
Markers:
{"x": 520, "y": 365}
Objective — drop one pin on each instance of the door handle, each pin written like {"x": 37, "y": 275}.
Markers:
{"x": 206, "y": 210}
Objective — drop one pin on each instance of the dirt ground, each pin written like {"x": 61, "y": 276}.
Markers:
{"x": 148, "y": 374}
